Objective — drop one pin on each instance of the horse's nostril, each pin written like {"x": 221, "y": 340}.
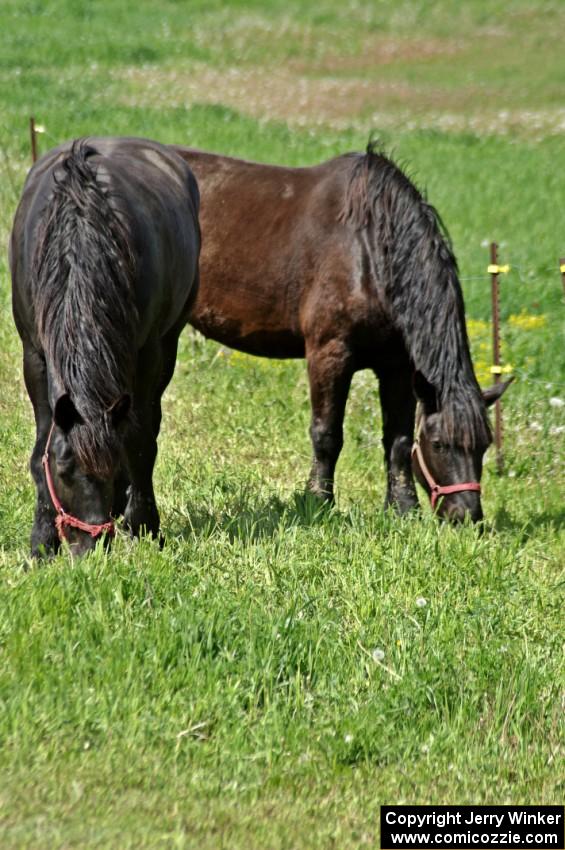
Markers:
{"x": 456, "y": 513}
{"x": 81, "y": 547}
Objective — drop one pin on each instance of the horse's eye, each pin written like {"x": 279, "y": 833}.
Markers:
{"x": 437, "y": 446}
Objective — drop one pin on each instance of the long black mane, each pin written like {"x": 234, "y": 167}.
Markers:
{"x": 85, "y": 306}
{"x": 413, "y": 261}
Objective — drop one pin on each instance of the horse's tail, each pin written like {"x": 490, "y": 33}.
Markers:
{"x": 83, "y": 287}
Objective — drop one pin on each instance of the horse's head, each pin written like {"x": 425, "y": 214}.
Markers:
{"x": 81, "y": 498}
{"x": 449, "y": 471}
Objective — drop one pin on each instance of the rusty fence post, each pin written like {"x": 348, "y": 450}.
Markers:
{"x": 496, "y": 369}
{"x": 33, "y": 137}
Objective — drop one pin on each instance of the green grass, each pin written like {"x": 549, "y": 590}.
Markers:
{"x": 227, "y": 691}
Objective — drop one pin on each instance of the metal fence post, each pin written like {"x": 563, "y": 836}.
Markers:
{"x": 33, "y": 137}
{"x": 496, "y": 368}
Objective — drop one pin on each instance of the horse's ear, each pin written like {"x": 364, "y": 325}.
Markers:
{"x": 119, "y": 410}
{"x": 493, "y": 393}
{"x": 425, "y": 393}
{"x": 65, "y": 414}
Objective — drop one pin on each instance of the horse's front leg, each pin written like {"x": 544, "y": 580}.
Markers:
{"x": 156, "y": 365}
{"x": 140, "y": 512}
{"x": 398, "y": 407}
{"x": 329, "y": 371}
{"x": 121, "y": 487}
{"x": 44, "y": 537}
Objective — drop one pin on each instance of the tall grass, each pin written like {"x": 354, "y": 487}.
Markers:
{"x": 278, "y": 671}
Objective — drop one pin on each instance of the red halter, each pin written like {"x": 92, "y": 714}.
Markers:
{"x": 436, "y": 490}
{"x": 63, "y": 518}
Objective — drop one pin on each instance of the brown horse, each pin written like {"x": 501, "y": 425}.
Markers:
{"x": 347, "y": 265}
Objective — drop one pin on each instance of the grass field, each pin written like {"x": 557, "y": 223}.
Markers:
{"x": 277, "y": 673}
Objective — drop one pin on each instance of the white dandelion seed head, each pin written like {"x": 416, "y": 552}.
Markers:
{"x": 348, "y": 738}
{"x": 556, "y": 402}
{"x": 421, "y": 602}
{"x": 378, "y": 654}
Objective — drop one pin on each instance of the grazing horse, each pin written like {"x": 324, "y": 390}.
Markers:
{"x": 347, "y": 265}
{"x": 104, "y": 261}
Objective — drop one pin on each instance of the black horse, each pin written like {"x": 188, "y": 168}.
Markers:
{"x": 104, "y": 260}
{"x": 346, "y": 264}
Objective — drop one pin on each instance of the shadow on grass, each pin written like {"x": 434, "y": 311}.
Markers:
{"x": 249, "y": 519}
{"x": 504, "y": 521}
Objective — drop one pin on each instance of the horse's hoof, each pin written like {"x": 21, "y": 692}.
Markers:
{"x": 43, "y": 552}
{"x": 402, "y": 501}
{"x": 44, "y": 545}
{"x": 318, "y": 492}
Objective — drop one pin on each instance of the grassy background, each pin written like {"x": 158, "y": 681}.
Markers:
{"x": 275, "y": 673}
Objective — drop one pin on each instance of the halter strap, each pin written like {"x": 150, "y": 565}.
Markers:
{"x": 437, "y": 490}
{"x": 63, "y": 518}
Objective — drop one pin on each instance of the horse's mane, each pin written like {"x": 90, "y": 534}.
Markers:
{"x": 413, "y": 261}
{"x": 86, "y": 312}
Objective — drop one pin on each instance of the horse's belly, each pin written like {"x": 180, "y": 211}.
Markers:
{"x": 259, "y": 335}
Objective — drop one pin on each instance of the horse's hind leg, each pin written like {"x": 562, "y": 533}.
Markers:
{"x": 329, "y": 371}
{"x": 398, "y": 410}
{"x": 44, "y": 538}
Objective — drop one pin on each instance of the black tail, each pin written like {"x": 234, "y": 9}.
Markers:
{"x": 83, "y": 273}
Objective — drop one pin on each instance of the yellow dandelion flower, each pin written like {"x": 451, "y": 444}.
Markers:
{"x": 476, "y": 327}
{"x": 526, "y": 321}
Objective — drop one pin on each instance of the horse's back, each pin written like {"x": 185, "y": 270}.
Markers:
{"x": 157, "y": 192}
{"x": 288, "y": 194}
{"x": 155, "y": 195}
